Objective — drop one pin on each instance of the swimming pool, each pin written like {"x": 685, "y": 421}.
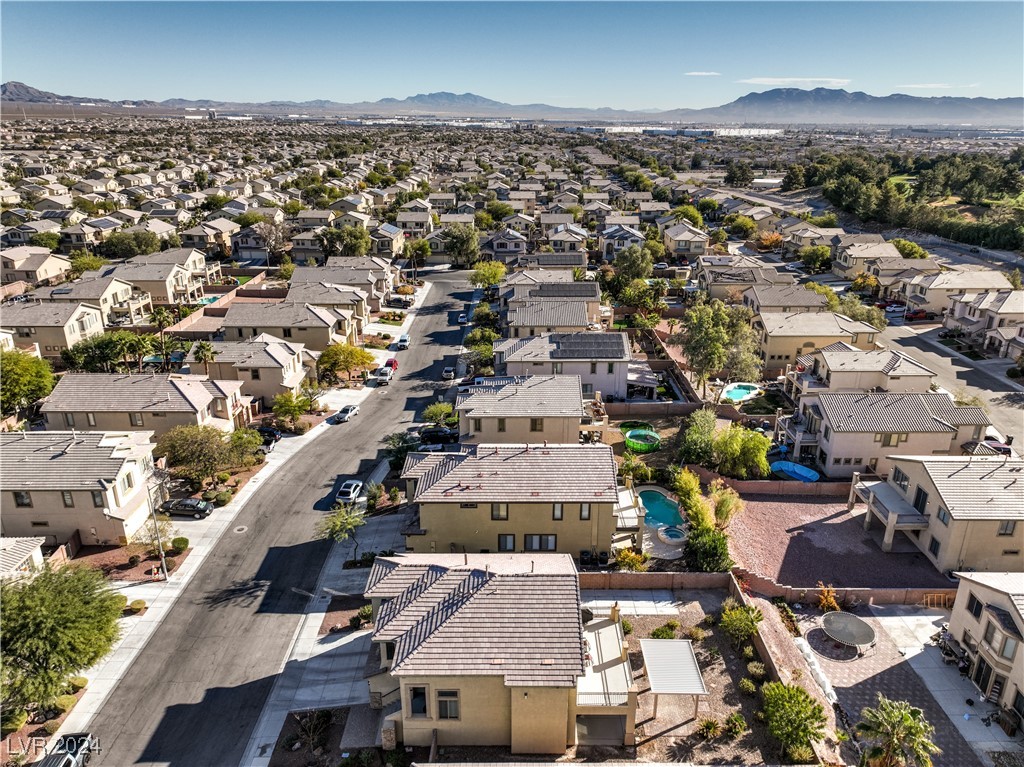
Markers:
{"x": 740, "y": 392}
{"x": 661, "y": 510}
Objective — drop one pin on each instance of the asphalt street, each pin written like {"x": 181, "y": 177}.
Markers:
{"x": 197, "y": 688}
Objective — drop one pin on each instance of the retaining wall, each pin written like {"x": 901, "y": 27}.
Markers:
{"x": 774, "y": 486}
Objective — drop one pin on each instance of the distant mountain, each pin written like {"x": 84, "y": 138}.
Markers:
{"x": 777, "y": 106}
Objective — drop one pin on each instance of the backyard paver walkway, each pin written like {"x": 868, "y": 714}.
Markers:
{"x": 631, "y": 602}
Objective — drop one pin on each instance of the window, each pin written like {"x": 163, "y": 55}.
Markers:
{"x": 974, "y": 606}
{"x": 827, "y": 433}
{"x": 920, "y": 499}
{"x": 499, "y": 511}
{"x": 506, "y": 542}
{"x": 593, "y": 368}
{"x": 255, "y": 374}
{"x": 467, "y": 505}
{"x": 69, "y": 420}
{"x": 584, "y": 511}
{"x": 943, "y": 516}
{"x": 1018, "y": 704}
{"x": 1009, "y": 648}
{"x": 556, "y": 367}
{"x": 287, "y": 332}
{"x": 22, "y": 499}
{"x": 39, "y": 524}
{"x": 136, "y": 419}
{"x": 990, "y": 632}
{"x": 127, "y": 483}
{"x": 418, "y": 701}
{"x": 588, "y": 390}
{"x": 1007, "y": 527}
{"x": 478, "y": 424}
{"x": 98, "y": 500}
{"x": 933, "y": 547}
{"x": 501, "y": 425}
{"x": 901, "y": 480}
{"x": 836, "y": 461}
{"x": 890, "y": 440}
{"x": 447, "y": 704}
{"x": 68, "y": 499}
{"x": 539, "y": 542}
{"x": 90, "y": 418}
{"x": 556, "y": 511}
{"x": 536, "y": 424}
{"x": 611, "y": 368}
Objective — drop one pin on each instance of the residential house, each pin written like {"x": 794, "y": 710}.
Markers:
{"x": 332, "y": 296}
{"x": 964, "y": 513}
{"x": 166, "y": 283}
{"x": 567, "y": 261}
{"x": 34, "y": 265}
{"x": 848, "y": 432}
{"x": 892, "y": 272}
{"x": 935, "y": 292}
{"x": 783, "y": 298}
{"x": 438, "y": 620}
{"x": 157, "y": 402}
{"x": 99, "y": 485}
{"x": 507, "y": 243}
{"x": 617, "y": 238}
{"x": 191, "y": 260}
{"x": 312, "y": 219}
{"x": 853, "y": 259}
{"x": 21, "y": 557}
{"x": 728, "y": 277}
{"x": 527, "y": 497}
{"x": 306, "y": 247}
{"x": 52, "y": 326}
{"x": 317, "y": 327}
{"x": 840, "y": 367}
{"x": 992, "y": 315}
{"x": 987, "y": 624}
{"x": 840, "y": 242}
{"x": 387, "y": 240}
{"x": 785, "y": 336}
{"x": 684, "y": 241}
{"x": 265, "y": 366}
{"x": 120, "y": 302}
{"x": 22, "y": 234}
{"x": 211, "y": 237}
{"x": 568, "y": 238}
{"x": 554, "y": 315}
{"x": 415, "y": 223}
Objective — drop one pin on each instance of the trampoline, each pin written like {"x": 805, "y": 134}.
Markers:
{"x": 848, "y": 629}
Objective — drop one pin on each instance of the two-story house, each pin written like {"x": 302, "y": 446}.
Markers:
{"x": 120, "y": 302}
{"x": 166, "y": 283}
{"x": 315, "y": 326}
{"x": 342, "y": 297}
{"x": 783, "y": 298}
{"x": 785, "y": 336}
{"x": 191, "y": 260}
{"x": 935, "y": 292}
{"x": 854, "y": 258}
{"x": 156, "y": 402}
{"x": 52, "y": 326}
{"x": 841, "y": 367}
{"x": 529, "y": 409}
{"x": 616, "y": 238}
{"x": 994, "y": 315}
{"x": 684, "y": 241}
{"x": 34, "y": 265}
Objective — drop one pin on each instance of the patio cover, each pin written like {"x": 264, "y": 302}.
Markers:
{"x": 848, "y": 629}
{"x": 672, "y": 669}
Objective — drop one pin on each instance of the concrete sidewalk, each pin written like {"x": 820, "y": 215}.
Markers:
{"x": 324, "y": 672}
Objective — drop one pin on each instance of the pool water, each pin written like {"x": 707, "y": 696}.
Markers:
{"x": 738, "y": 392}
{"x": 660, "y": 509}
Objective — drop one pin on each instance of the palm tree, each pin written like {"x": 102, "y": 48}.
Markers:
{"x": 204, "y": 352}
{"x": 138, "y": 347}
{"x": 162, "y": 319}
{"x": 898, "y": 734}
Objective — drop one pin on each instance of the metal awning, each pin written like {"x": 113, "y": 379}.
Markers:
{"x": 672, "y": 669}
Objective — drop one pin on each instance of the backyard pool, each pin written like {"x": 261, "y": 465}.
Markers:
{"x": 740, "y": 392}
{"x": 661, "y": 510}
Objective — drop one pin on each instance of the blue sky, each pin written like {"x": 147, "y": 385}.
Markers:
{"x": 629, "y": 55}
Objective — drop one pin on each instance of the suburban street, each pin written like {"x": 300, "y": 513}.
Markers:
{"x": 197, "y": 688}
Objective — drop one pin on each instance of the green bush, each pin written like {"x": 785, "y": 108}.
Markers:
{"x": 394, "y": 494}
{"x": 122, "y": 601}
{"x": 179, "y": 544}
{"x": 77, "y": 683}
{"x": 627, "y": 627}
{"x": 735, "y": 725}
{"x": 52, "y": 726}
{"x": 749, "y": 653}
{"x": 209, "y": 496}
{"x": 801, "y": 755}
{"x": 793, "y": 717}
{"x": 137, "y": 606}
{"x": 710, "y": 619}
{"x": 757, "y": 670}
{"x": 707, "y": 550}
{"x": 663, "y": 632}
{"x": 695, "y": 634}
{"x": 222, "y": 498}
{"x": 365, "y": 613}
{"x": 64, "y": 703}
{"x": 740, "y": 623}
{"x": 386, "y": 336}
{"x": 747, "y": 686}
{"x": 709, "y": 728}
{"x": 223, "y": 477}
{"x": 355, "y": 622}
{"x": 631, "y": 561}
{"x": 1014, "y": 373}
{"x": 170, "y": 563}
{"x": 12, "y": 721}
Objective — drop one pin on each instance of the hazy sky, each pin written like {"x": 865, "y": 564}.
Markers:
{"x": 629, "y": 55}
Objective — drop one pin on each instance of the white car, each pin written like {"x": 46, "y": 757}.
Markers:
{"x": 660, "y": 266}
{"x": 343, "y": 415}
{"x": 448, "y": 374}
{"x": 463, "y": 319}
{"x": 384, "y": 376}
{"x": 349, "y": 491}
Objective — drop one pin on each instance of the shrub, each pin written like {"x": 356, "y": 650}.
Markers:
{"x": 793, "y": 717}
{"x": 64, "y": 703}
{"x": 695, "y": 634}
{"x": 788, "y": 616}
{"x": 749, "y": 653}
{"x": 729, "y": 603}
{"x": 1014, "y": 373}
{"x": 740, "y": 623}
{"x": 386, "y": 336}
{"x": 801, "y": 755}
{"x": 365, "y": 613}
{"x": 179, "y": 544}
{"x": 355, "y": 622}
{"x": 122, "y": 601}
{"x": 209, "y": 496}
{"x": 714, "y": 653}
{"x": 134, "y": 560}
{"x": 756, "y": 670}
{"x": 77, "y": 683}
{"x": 627, "y": 627}
{"x": 137, "y": 605}
{"x": 735, "y": 724}
{"x": 52, "y": 726}
{"x": 710, "y": 619}
{"x": 631, "y": 561}
{"x": 663, "y": 632}
{"x": 223, "y": 498}
{"x": 12, "y": 721}
{"x": 223, "y": 477}
{"x": 394, "y": 494}
{"x": 674, "y": 625}
{"x": 747, "y": 686}
{"x": 707, "y": 550}
{"x": 827, "y": 598}
{"x": 170, "y": 563}
{"x": 709, "y": 728}
{"x": 405, "y": 290}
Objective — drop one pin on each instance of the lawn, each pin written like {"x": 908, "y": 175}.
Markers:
{"x": 766, "y": 404}
{"x": 905, "y": 178}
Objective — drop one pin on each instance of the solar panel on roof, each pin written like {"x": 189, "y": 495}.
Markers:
{"x": 597, "y": 345}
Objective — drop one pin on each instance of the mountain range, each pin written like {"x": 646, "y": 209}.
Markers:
{"x": 776, "y": 106}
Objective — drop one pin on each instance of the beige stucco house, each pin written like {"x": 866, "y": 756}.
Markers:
{"x": 840, "y": 367}
{"x": 52, "y": 326}
{"x": 991, "y": 316}
{"x": 120, "y": 302}
{"x": 935, "y": 292}
{"x": 34, "y": 265}
{"x": 317, "y": 327}
{"x": 784, "y": 336}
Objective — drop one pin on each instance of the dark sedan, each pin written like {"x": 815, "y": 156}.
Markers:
{"x": 187, "y": 507}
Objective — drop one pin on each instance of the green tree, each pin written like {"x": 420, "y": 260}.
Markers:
{"x": 162, "y": 319}
{"x": 707, "y": 550}
{"x": 741, "y": 453}
{"x": 1016, "y": 280}
{"x": 350, "y": 241}
{"x": 48, "y": 240}
{"x": 437, "y": 413}
{"x": 487, "y": 274}
{"x": 740, "y": 226}
{"x": 793, "y": 717}
{"x": 855, "y": 310}
{"x": 794, "y": 178}
{"x": 499, "y": 210}
{"x": 697, "y": 439}
{"x": 707, "y": 206}
{"x": 742, "y": 362}
{"x": 689, "y": 213}
{"x": 344, "y": 358}
{"x": 483, "y": 221}
{"x": 740, "y": 623}
{"x": 84, "y": 261}
{"x": 196, "y": 452}
{"x": 215, "y": 202}
{"x": 341, "y": 524}
{"x": 898, "y": 734}
{"x": 25, "y": 379}
{"x": 292, "y": 208}
{"x": 817, "y": 258}
{"x": 633, "y": 263}
{"x": 704, "y": 340}
{"x": 865, "y": 283}
{"x": 289, "y": 407}
{"x": 243, "y": 446}
{"x": 909, "y": 249}
{"x": 481, "y": 335}
{"x": 739, "y": 174}
{"x": 462, "y": 242}
{"x": 204, "y": 354}
{"x": 124, "y": 245}
{"x": 398, "y": 445}
{"x": 54, "y": 625}
{"x": 417, "y": 251}
{"x": 249, "y": 218}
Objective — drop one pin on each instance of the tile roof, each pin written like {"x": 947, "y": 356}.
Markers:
{"x": 786, "y": 295}
{"x": 510, "y": 473}
{"x": 14, "y": 552}
{"x": 67, "y": 460}
{"x": 511, "y": 615}
{"x": 538, "y": 276}
{"x": 121, "y": 393}
{"x": 550, "y": 313}
{"x": 589, "y": 290}
{"x": 976, "y": 487}
{"x": 892, "y": 363}
{"x": 287, "y": 314}
{"x": 559, "y": 396}
{"x": 262, "y": 351}
{"x": 43, "y": 314}
{"x": 806, "y": 324}
{"x": 897, "y": 413}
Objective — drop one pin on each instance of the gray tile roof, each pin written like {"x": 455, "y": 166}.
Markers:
{"x": 538, "y": 276}
{"x": 786, "y": 295}
{"x": 551, "y": 313}
{"x": 14, "y": 552}
{"x": 89, "y": 287}
{"x": 514, "y": 616}
{"x": 526, "y": 396}
{"x": 897, "y": 413}
{"x": 516, "y": 474}
{"x": 892, "y": 363}
{"x": 123, "y": 393}
{"x": 567, "y": 346}
{"x": 67, "y": 460}
{"x": 325, "y": 294}
{"x": 262, "y": 351}
{"x": 809, "y": 324}
{"x": 43, "y": 314}
{"x": 588, "y": 290}
{"x": 976, "y": 487}
{"x": 287, "y": 314}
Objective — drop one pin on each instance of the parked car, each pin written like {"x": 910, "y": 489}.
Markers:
{"x": 269, "y": 434}
{"x": 438, "y": 435}
{"x": 1000, "y": 447}
{"x": 71, "y": 750}
{"x": 400, "y": 302}
{"x": 660, "y": 266}
{"x": 187, "y": 507}
{"x": 384, "y": 376}
{"x": 393, "y": 364}
{"x": 463, "y": 319}
{"x": 349, "y": 491}
{"x": 403, "y": 341}
{"x": 448, "y": 374}
{"x": 920, "y": 314}
{"x": 343, "y": 415}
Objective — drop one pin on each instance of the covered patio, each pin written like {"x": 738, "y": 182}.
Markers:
{"x": 672, "y": 669}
